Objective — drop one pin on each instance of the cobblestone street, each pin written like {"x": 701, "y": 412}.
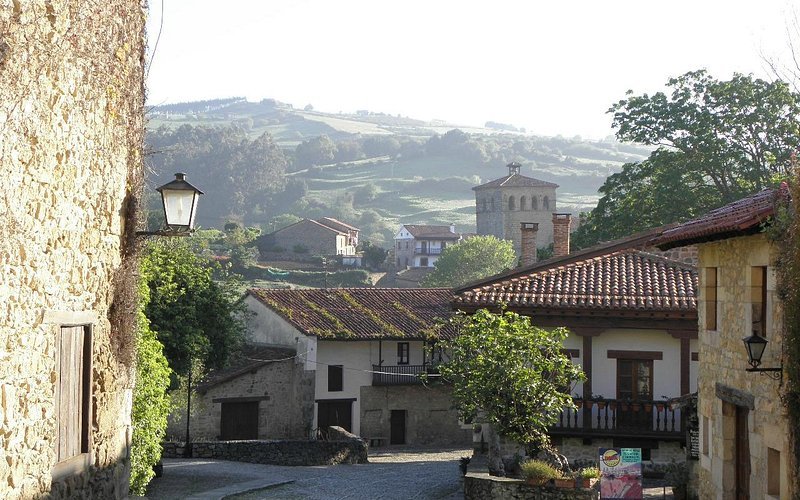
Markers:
{"x": 394, "y": 474}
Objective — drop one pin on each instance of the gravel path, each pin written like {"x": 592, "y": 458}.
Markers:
{"x": 393, "y": 473}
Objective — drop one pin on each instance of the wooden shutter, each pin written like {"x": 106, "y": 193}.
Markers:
{"x": 73, "y": 363}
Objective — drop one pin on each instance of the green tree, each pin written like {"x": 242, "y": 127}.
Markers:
{"x": 195, "y": 317}
{"x": 151, "y": 404}
{"x": 510, "y": 374}
{"x": 317, "y": 151}
{"x": 716, "y": 141}
{"x": 470, "y": 260}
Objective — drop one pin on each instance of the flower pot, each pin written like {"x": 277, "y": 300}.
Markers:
{"x": 588, "y": 482}
{"x": 587, "y": 404}
{"x": 537, "y": 481}
{"x": 564, "y": 483}
{"x": 648, "y": 407}
{"x": 601, "y": 405}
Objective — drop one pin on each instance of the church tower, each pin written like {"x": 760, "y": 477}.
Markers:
{"x": 503, "y": 204}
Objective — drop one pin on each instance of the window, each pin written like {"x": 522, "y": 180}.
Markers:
{"x": 73, "y": 395}
{"x": 522, "y": 203}
{"x": 710, "y": 297}
{"x": 335, "y": 375}
{"x": 406, "y": 245}
{"x": 534, "y": 203}
{"x": 423, "y": 262}
{"x": 635, "y": 379}
{"x": 758, "y": 300}
{"x": 402, "y": 353}
{"x": 545, "y": 203}
{"x": 511, "y": 204}
{"x": 398, "y": 245}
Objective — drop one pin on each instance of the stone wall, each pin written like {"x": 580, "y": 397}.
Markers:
{"x": 71, "y": 125}
{"x": 723, "y": 381}
{"x": 285, "y": 395}
{"x": 294, "y": 453}
{"x": 505, "y": 224}
{"x": 314, "y": 237}
{"x": 430, "y": 417}
{"x": 482, "y": 486}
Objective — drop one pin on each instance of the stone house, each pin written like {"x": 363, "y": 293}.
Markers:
{"x": 71, "y": 160}
{"x": 420, "y": 245}
{"x": 363, "y": 349}
{"x": 248, "y": 399}
{"x": 631, "y": 311}
{"x": 503, "y": 204}
{"x": 325, "y": 236}
{"x": 745, "y": 450}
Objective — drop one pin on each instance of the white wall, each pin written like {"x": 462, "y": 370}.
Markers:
{"x": 267, "y": 327}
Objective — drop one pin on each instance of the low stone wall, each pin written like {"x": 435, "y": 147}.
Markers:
{"x": 351, "y": 451}
{"x": 482, "y": 486}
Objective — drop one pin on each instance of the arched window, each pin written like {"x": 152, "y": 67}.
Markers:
{"x": 534, "y": 203}
{"x": 492, "y": 204}
{"x": 511, "y": 204}
{"x": 545, "y": 203}
{"x": 522, "y": 206}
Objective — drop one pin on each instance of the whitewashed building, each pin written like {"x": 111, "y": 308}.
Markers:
{"x": 418, "y": 245}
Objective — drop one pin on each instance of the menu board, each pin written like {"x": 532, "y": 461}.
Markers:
{"x": 620, "y": 473}
{"x": 693, "y": 444}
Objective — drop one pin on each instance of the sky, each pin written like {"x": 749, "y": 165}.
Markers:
{"x": 552, "y": 67}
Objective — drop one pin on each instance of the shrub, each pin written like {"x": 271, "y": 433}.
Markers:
{"x": 539, "y": 471}
{"x": 589, "y": 473}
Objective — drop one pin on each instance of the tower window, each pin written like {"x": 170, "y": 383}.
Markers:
{"x": 511, "y": 203}
{"x": 534, "y": 203}
{"x": 522, "y": 203}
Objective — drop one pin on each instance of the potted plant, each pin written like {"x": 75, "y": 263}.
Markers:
{"x": 564, "y": 482}
{"x": 587, "y": 477}
{"x": 538, "y": 473}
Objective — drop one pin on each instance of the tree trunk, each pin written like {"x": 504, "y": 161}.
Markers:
{"x": 495, "y": 460}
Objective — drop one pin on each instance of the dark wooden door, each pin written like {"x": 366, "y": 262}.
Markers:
{"x": 742, "y": 457}
{"x": 239, "y": 421}
{"x": 338, "y": 413}
{"x": 397, "y": 431}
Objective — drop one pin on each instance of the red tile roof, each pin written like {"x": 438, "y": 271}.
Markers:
{"x": 516, "y": 180}
{"x": 739, "y": 218}
{"x": 362, "y": 313}
{"x": 623, "y": 280}
{"x": 424, "y": 231}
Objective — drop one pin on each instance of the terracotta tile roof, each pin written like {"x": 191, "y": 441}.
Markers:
{"x": 423, "y": 231}
{"x": 739, "y": 218}
{"x": 336, "y": 224}
{"x": 516, "y": 180}
{"x": 310, "y": 221}
{"x": 250, "y": 358}
{"x": 362, "y": 313}
{"x": 623, "y": 280}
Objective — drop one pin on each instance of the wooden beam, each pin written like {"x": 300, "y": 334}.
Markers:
{"x": 618, "y": 354}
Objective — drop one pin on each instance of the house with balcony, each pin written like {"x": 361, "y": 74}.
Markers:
{"x": 746, "y": 447}
{"x": 348, "y": 357}
{"x": 418, "y": 245}
{"x": 632, "y": 314}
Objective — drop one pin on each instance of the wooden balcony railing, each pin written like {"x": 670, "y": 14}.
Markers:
{"x": 427, "y": 251}
{"x": 617, "y": 418}
{"x": 400, "y": 374}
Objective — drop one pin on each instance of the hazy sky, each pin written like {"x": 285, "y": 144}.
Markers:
{"x": 553, "y": 67}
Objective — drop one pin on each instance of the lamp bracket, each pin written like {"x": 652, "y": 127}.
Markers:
{"x": 165, "y": 232}
{"x": 773, "y": 373}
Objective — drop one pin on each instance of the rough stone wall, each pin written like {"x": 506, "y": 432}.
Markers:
{"x": 505, "y": 224}
{"x": 430, "y": 417}
{"x": 318, "y": 240}
{"x": 723, "y": 361}
{"x": 294, "y": 453}
{"x": 686, "y": 255}
{"x": 286, "y": 410}
{"x": 71, "y": 125}
{"x": 482, "y": 486}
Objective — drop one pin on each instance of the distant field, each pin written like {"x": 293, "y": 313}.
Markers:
{"x": 345, "y": 125}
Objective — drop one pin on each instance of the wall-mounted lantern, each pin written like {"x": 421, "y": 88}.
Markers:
{"x": 179, "y": 200}
{"x": 755, "y": 346}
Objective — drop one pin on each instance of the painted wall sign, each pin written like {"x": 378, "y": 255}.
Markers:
{"x": 620, "y": 473}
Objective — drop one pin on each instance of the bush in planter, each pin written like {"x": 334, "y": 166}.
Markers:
{"x": 588, "y": 476}
{"x": 537, "y": 472}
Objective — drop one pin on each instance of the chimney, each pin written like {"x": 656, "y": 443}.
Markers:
{"x": 561, "y": 223}
{"x": 452, "y": 227}
{"x": 528, "y": 240}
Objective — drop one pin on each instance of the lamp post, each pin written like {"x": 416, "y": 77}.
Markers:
{"x": 179, "y": 200}
{"x": 755, "y": 346}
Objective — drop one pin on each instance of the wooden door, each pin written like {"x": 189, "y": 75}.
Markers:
{"x": 338, "y": 413}
{"x": 634, "y": 388}
{"x": 239, "y": 421}
{"x": 742, "y": 457}
{"x": 397, "y": 431}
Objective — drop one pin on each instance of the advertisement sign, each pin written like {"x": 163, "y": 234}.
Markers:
{"x": 620, "y": 473}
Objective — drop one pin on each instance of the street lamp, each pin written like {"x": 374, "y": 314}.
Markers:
{"x": 755, "y": 346}
{"x": 179, "y": 199}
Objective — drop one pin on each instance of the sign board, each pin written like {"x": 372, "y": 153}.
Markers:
{"x": 620, "y": 473}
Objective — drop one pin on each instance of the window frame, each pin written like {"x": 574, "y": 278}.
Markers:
{"x": 332, "y": 370}
{"x": 710, "y": 292}
{"x": 758, "y": 297}
{"x": 634, "y": 378}
{"x": 403, "y": 353}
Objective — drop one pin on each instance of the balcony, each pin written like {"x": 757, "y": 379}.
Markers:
{"x": 615, "y": 418}
{"x": 427, "y": 251}
{"x": 399, "y": 375}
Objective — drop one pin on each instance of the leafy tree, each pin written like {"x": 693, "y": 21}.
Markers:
{"x": 151, "y": 404}
{"x": 320, "y": 150}
{"x": 511, "y": 375}
{"x": 195, "y": 317}
{"x": 470, "y": 260}
{"x": 374, "y": 256}
{"x": 717, "y": 141}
